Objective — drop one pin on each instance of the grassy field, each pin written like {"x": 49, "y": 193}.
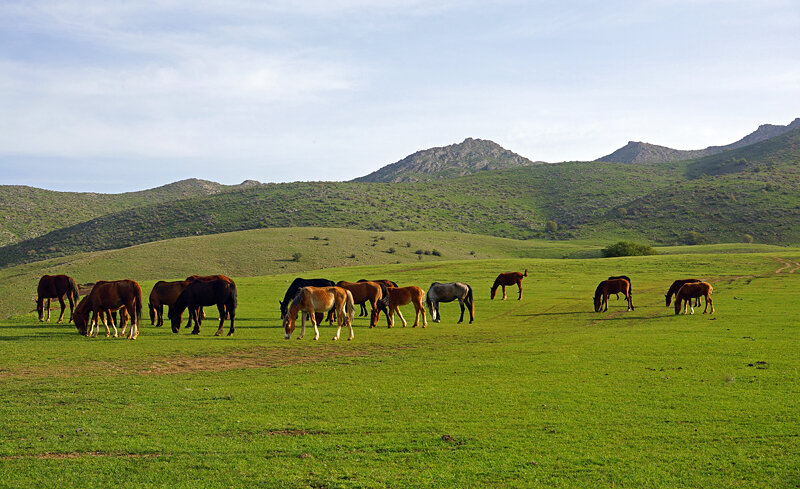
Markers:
{"x": 536, "y": 393}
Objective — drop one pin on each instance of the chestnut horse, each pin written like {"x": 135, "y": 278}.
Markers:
{"x": 56, "y": 287}
{"x": 298, "y": 284}
{"x": 105, "y": 297}
{"x": 365, "y": 292}
{"x": 212, "y": 290}
{"x": 164, "y": 294}
{"x": 608, "y": 287}
{"x": 394, "y": 297}
{"x": 448, "y": 292}
{"x": 676, "y": 286}
{"x": 311, "y": 300}
{"x": 509, "y": 278}
{"x": 693, "y": 290}
{"x": 385, "y": 282}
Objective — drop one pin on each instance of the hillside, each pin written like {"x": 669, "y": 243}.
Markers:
{"x": 467, "y": 157}
{"x": 639, "y": 152}
{"x": 29, "y": 212}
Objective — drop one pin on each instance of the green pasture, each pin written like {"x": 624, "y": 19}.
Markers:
{"x": 541, "y": 392}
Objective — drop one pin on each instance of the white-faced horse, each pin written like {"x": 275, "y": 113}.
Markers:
{"x": 448, "y": 292}
{"x": 311, "y": 300}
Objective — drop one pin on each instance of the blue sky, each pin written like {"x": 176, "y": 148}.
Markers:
{"x": 113, "y": 96}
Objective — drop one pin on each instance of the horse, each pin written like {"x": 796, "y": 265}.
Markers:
{"x": 298, "y": 284}
{"x": 676, "y": 286}
{"x": 385, "y": 282}
{"x": 448, "y": 292}
{"x": 400, "y": 296}
{"x": 216, "y": 290}
{"x": 56, "y": 287}
{"x": 110, "y": 296}
{"x": 625, "y": 277}
{"x": 693, "y": 290}
{"x": 365, "y": 292}
{"x": 509, "y": 278}
{"x": 608, "y": 287}
{"x": 164, "y": 294}
{"x": 311, "y": 300}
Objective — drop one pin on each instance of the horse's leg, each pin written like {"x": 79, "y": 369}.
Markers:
{"x": 231, "y": 316}
{"x": 397, "y": 310}
{"x": 222, "y": 315}
{"x": 363, "y": 311}
{"x": 374, "y": 315}
{"x": 71, "y": 308}
{"x": 461, "y": 303}
{"x": 630, "y": 300}
{"x": 519, "y": 284}
{"x": 48, "y": 310}
{"x": 63, "y": 306}
{"x": 710, "y": 301}
{"x": 96, "y": 319}
{"x": 504, "y": 292}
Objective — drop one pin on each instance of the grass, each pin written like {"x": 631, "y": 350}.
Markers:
{"x": 536, "y": 393}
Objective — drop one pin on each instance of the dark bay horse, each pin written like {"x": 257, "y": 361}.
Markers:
{"x": 364, "y": 292}
{"x": 608, "y": 287}
{"x": 394, "y": 297}
{"x": 509, "y": 278}
{"x": 676, "y": 286}
{"x": 296, "y": 285}
{"x": 448, "y": 292}
{"x": 385, "y": 282}
{"x": 164, "y": 294}
{"x": 56, "y": 287}
{"x": 625, "y": 277}
{"x": 108, "y": 296}
{"x": 216, "y": 290}
{"x": 693, "y": 290}
{"x": 311, "y": 300}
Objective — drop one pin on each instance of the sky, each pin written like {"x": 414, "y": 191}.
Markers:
{"x": 114, "y": 96}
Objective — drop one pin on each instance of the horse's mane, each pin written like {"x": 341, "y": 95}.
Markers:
{"x": 298, "y": 297}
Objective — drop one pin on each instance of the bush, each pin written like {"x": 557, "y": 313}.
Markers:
{"x": 694, "y": 238}
{"x": 748, "y": 238}
{"x": 551, "y": 226}
{"x": 296, "y": 256}
{"x": 628, "y": 248}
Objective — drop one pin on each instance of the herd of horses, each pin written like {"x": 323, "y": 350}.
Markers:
{"x": 310, "y": 298}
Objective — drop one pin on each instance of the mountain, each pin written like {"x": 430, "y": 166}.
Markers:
{"x": 465, "y": 158}
{"x": 639, "y": 152}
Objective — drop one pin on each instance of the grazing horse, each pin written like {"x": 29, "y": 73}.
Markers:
{"x": 608, "y": 287}
{"x": 509, "y": 278}
{"x": 105, "y": 297}
{"x": 164, "y": 294}
{"x": 693, "y": 290}
{"x": 385, "y": 282}
{"x": 676, "y": 286}
{"x": 622, "y": 277}
{"x": 216, "y": 290}
{"x": 56, "y": 287}
{"x": 394, "y": 297}
{"x": 296, "y": 285}
{"x": 364, "y": 292}
{"x": 311, "y": 300}
{"x": 448, "y": 292}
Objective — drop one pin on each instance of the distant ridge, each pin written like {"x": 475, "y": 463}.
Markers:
{"x": 639, "y": 152}
{"x": 465, "y": 158}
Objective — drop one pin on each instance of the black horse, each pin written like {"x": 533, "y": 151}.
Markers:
{"x": 217, "y": 291}
{"x": 298, "y": 284}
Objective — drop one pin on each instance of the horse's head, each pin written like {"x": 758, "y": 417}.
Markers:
{"x": 175, "y": 319}
{"x": 598, "y": 302}
{"x": 288, "y": 325}
{"x": 669, "y": 299}
{"x": 283, "y": 309}
{"x": 494, "y": 290}
{"x": 81, "y": 316}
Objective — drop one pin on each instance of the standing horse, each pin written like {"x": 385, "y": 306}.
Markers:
{"x": 448, "y": 292}
{"x": 608, "y": 287}
{"x": 676, "y": 286}
{"x": 693, "y": 290}
{"x": 509, "y": 278}
{"x": 216, "y": 290}
{"x": 385, "y": 282}
{"x": 310, "y": 300}
{"x": 164, "y": 294}
{"x": 56, "y": 287}
{"x": 394, "y": 297}
{"x": 364, "y": 292}
{"x": 296, "y": 285}
{"x": 105, "y": 297}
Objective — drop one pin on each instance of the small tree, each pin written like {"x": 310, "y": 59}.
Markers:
{"x": 296, "y": 256}
{"x": 551, "y": 226}
{"x": 628, "y": 248}
{"x": 747, "y": 238}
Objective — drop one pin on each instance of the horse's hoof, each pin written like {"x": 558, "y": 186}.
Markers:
{"x": 230, "y": 333}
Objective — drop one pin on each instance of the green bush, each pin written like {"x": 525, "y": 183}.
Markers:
{"x": 628, "y": 248}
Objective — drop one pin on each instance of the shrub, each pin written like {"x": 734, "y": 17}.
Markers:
{"x": 693, "y": 238}
{"x": 390, "y": 250}
{"x": 551, "y": 226}
{"x": 628, "y": 248}
{"x": 296, "y": 256}
{"x": 748, "y": 238}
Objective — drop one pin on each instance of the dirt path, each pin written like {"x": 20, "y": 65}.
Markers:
{"x": 789, "y": 265}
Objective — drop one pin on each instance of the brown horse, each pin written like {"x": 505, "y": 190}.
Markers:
{"x": 385, "y": 282}
{"x": 109, "y": 296}
{"x": 676, "y": 286}
{"x": 310, "y": 300}
{"x": 693, "y": 290}
{"x": 56, "y": 287}
{"x": 509, "y": 278}
{"x": 608, "y": 287}
{"x": 164, "y": 294}
{"x": 400, "y": 296}
{"x": 216, "y": 290}
{"x": 365, "y": 292}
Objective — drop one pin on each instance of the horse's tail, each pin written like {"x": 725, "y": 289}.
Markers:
{"x": 233, "y": 301}
{"x": 470, "y": 299}
{"x": 138, "y": 305}
{"x": 428, "y": 300}
{"x": 383, "y": 303}
{"x": 349, "y": 307}
{"x": 525, "y": 274}
{"x": 152, "y": 310}
{"x": 73, "y": 286}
